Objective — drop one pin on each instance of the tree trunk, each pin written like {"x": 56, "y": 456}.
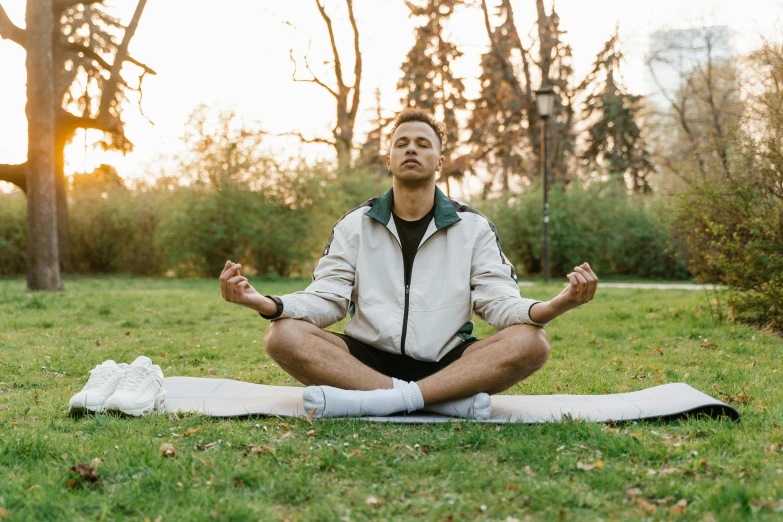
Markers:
{"x": 343, "y": 148}
{"x": 61, "y": 193}
{"x": 43, "y": 264}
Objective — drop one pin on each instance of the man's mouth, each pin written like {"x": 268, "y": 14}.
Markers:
{"x": 411, "y": 162}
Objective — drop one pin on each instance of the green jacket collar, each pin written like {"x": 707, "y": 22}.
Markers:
{"x": 445, "y": 214}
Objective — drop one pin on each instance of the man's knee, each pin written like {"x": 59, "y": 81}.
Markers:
{"x": 529, "y": 346}
{"x": 280, "y": 336}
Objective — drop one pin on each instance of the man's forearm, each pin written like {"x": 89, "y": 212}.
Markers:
{"x": 266, "y": 306}
{"x": 545, "y": 311}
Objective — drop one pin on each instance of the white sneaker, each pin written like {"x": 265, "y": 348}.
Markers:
{"x": 140, "y": 391}
{"x": 103, "y": 380}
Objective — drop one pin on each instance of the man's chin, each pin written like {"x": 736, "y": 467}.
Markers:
{"x": 411, "y": 178}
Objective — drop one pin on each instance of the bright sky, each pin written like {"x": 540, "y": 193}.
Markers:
{"x": 235, "y": 53}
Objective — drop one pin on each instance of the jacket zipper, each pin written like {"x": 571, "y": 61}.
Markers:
{"x": 405, "y": 316}
{"x": 407, "y": 294}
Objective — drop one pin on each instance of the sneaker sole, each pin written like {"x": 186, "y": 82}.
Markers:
{"x": 83, "y": 410}
{"x": 157, "y": 405}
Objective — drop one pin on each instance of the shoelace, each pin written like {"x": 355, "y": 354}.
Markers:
{"x": 98, "y": 376}
{"x": 133, "y": 377}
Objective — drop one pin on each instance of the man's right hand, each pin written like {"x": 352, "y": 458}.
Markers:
{"x": 236, "y": 289}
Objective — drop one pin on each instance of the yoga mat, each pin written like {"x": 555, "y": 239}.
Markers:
{"x": 228, "y": 398}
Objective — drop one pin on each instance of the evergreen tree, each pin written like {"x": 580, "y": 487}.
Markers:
{"x": 496, "y": 120}
{"x": 614, "y": 142}
{"x": 428, "y": 81}
{"x": 371, "y": 152}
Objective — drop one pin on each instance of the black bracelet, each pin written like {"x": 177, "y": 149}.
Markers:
{"x": 279, "y": 312}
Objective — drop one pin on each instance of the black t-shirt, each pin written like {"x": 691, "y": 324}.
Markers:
{"x": 410, "y": 233}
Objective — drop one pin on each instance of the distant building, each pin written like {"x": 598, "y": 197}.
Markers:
{"x": 675, "y": 53}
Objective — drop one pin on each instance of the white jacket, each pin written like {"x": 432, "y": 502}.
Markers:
{"x": 459, "y": 268}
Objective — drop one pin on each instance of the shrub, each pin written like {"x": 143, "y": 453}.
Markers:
{"x": 13, "y": 231}
{"x": 616, "y": 233}
{"x": 731, "y": 213}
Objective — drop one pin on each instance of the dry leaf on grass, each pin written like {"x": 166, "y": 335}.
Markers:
{"x": 202, "y": 447}
{"x": 633, "y": 492}
{"x": 357, "y": 453}
{"x": 769, "y": 504}
{"x": 679, "y": 507}
{"x": 262, "y": 449}
{"x": 167, "y": 450}
{"x": 191, "y": 431}
{"x": 742, "y": 398}
{"x": 646, "y": 506}
{"x": 86, "y": 471}
{"x": 585, "y": 467}
{"x": 372, "y": 500}
{"x": 3, "y": 512}
{"x": 309, "y": 417}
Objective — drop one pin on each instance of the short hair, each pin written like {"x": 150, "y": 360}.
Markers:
{"x": 412, "y": 114}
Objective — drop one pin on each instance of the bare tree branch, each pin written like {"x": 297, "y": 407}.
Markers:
{"x": 524, "y": 52}
{"x": 681, "y": 118}
{"x": 62, "y": 5}
{"x": 147, "y": 68}
{"x": 10, "y": 31}
{"x": 87, "y": 51}
{"x": 110, "y": 91}
{"x": 314, "y": 79}
{"x": 301, "y": 137}
{"x": 338, "y": 68}
{"x": 357, "y": 69}
{"x": 508, "y": 70}
{"x": 546, "y": 42}
{"x": 16, "y": 174}
{"x": 68, "y": 122}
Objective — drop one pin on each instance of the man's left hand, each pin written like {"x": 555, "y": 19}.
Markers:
{"x": 582, "y": 287}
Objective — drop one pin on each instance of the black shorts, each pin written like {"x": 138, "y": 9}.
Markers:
{"x": 401, "y": 366}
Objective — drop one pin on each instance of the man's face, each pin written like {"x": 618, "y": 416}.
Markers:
{"x": 415, "y": 152}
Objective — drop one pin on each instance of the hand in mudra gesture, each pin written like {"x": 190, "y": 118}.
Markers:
{"x": 583, "y": 283}
{"x": 236, "y": 288}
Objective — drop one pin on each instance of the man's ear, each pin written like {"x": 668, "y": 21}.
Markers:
{"x": 439, "y": 166}
{"x": 388, "y": 162}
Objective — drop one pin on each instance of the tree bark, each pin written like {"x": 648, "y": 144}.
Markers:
{"x": 16, "y": 174}
{"x": 43, "y": 265}
{"x": 61, "y": 195}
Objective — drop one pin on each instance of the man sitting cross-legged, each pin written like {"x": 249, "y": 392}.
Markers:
{"x": 410, "y": 267}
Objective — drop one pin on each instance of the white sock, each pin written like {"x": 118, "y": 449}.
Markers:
{"x": 478, "y": 406}
{"x": 335, "y": 402}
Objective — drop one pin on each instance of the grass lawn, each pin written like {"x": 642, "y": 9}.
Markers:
{"x": 625, "y": 339}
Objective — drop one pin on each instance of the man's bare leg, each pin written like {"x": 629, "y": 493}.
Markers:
{"x": 316, "y": 357}
{"x": 490, "y": 365}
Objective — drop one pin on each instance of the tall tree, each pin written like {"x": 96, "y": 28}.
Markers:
{"x": 43, "y": 271}
{"x": 346, "y": 96}
{"x": 496, "y": 122}
{"x": 614, "y": 143}
{"x": 428, "y": 81}
{"x": 89, "y": 90}
{"x": 552, "y": 58}
{"x": 705, "y": 112}
{"x": 371, "y": 155}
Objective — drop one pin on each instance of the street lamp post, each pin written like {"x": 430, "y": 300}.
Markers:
{"x": 545, "y": 98}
